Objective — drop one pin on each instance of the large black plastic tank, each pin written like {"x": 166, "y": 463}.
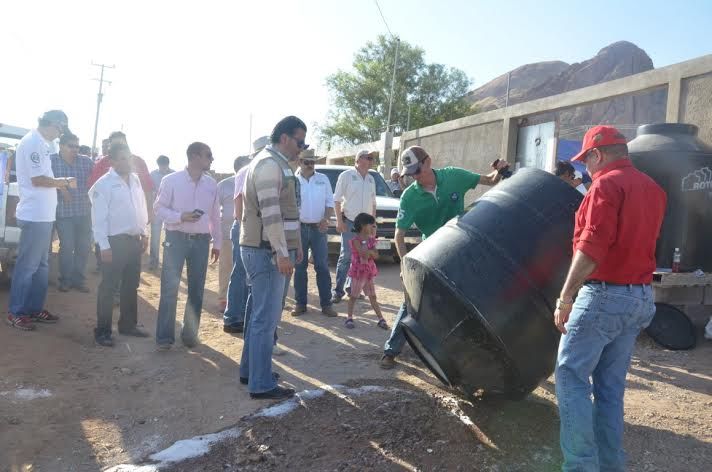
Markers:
{"x": 673, "y": 155}
{"x": 482, "y": 289}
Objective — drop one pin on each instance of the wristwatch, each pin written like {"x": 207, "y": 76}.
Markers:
{"x": 562, "y": 305}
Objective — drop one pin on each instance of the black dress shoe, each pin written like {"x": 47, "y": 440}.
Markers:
{"x": 105, "y": 341}
{"x": 234, "y": 328}
{"x": 139, "y": 333}
{"x": 246, "y": 380}
{"x": 277, "y": 393}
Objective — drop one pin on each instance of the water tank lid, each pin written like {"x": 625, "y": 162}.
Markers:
{"x": 667, "y": 128}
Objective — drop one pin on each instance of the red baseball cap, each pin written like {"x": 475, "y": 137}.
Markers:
{"x": 599, "y": 136}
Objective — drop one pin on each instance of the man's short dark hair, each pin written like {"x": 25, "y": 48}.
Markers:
{"x": 195, "y": 149}
{"x": 67, "y": 138}
{"x": 163, "y": 160}
{"x": 84, "y": 150}
{"x": 615, "y": 150}
{"x": 240, "y": 162}
{"x": 117, "y": 134}
{"x": 563, "y": 168}
{"x": 287, "y": 126}
{"x": 116, "y": 149}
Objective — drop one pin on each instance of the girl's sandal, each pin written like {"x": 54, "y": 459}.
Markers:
{"x": 382, "y": 324}
{"x": 349, "y": 323}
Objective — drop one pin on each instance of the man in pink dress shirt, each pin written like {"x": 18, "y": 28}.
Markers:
{"x": 189, "y": 207}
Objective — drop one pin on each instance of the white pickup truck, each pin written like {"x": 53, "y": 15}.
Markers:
{"x": 9, "y": 232}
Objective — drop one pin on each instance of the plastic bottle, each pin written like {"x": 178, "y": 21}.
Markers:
{"x": 676, "y": 260}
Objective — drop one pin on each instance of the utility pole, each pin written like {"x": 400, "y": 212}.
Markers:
{"x": 509, "y": 78}
{"x": 249, "y": 147}
{"x": 99, "y": 97}
{"x": 407, "y": 126}
{"x": 393, "y": 85}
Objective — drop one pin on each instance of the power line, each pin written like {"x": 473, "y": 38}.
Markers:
{"x": 383, "y": 17}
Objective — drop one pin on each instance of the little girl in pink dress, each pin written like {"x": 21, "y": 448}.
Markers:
{"x": 363, "y": 267}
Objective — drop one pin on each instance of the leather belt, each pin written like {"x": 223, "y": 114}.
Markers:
{"x": 603, "y": 282}
{"x": 190, "y": 236}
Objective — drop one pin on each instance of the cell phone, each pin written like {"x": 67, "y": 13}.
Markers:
{"x": 198, "y": 212}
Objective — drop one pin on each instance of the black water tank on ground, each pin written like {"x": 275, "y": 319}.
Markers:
{"x": 482, "y": 289}
{"x": 673, "y": 155}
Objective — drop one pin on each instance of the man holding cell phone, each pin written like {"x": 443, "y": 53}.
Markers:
{"x": 189, "y": 207}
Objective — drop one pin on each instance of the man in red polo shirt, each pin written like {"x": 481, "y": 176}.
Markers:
{"x": 616, "y": 229}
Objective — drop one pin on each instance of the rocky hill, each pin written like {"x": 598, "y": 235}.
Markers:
{"x": 524, "y": 78}
{"x": 543, "y": 79}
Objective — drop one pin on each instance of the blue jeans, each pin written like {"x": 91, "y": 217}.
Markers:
{"x": 177, "y": 251}
{"x": 74, "y": 246}
{"x": 602, "y": 329}
{"x": 342, "y": 266}
{"x": 267, "y": 289}
{"x": 154, "y": 249}
{"x": 316, "y": 240}
{"x": 237, "y": 288}
{"x": 394, "y": 344}
{"x": 30, "y": 276}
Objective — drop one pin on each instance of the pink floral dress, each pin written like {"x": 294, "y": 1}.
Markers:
{"x": 362, "y": 268}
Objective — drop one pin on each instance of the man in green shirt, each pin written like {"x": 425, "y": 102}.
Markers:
{"x": 436, "y": 196}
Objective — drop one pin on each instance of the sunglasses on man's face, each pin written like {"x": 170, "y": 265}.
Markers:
{"x": 300, "y": 143}
{"x": 72, "y": 146}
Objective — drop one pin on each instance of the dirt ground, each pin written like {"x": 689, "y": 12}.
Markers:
{"x": 68, "y": 405}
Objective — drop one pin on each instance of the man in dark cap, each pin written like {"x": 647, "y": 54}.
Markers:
{"x": 36, "y": 213}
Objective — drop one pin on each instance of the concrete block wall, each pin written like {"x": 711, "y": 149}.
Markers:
{"x": 696, "y": 104}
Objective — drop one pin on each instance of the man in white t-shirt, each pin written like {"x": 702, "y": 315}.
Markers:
{"x": 355, "y": 193}
{"x": 36, "y": 213}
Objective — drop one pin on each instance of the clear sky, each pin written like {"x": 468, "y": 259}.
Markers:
{"x": 195, "y": 71}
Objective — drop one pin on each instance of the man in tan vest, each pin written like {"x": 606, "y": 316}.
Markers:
{"x": 270, "y": 243}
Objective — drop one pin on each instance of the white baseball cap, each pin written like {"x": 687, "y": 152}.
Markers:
{"x": 260, "y": 143}
{"x": 411, "y": 159}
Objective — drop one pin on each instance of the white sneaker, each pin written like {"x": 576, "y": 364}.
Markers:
{"x": 277, "y": 350}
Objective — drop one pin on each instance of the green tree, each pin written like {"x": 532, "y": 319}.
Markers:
{"x": 359, "y": 111}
